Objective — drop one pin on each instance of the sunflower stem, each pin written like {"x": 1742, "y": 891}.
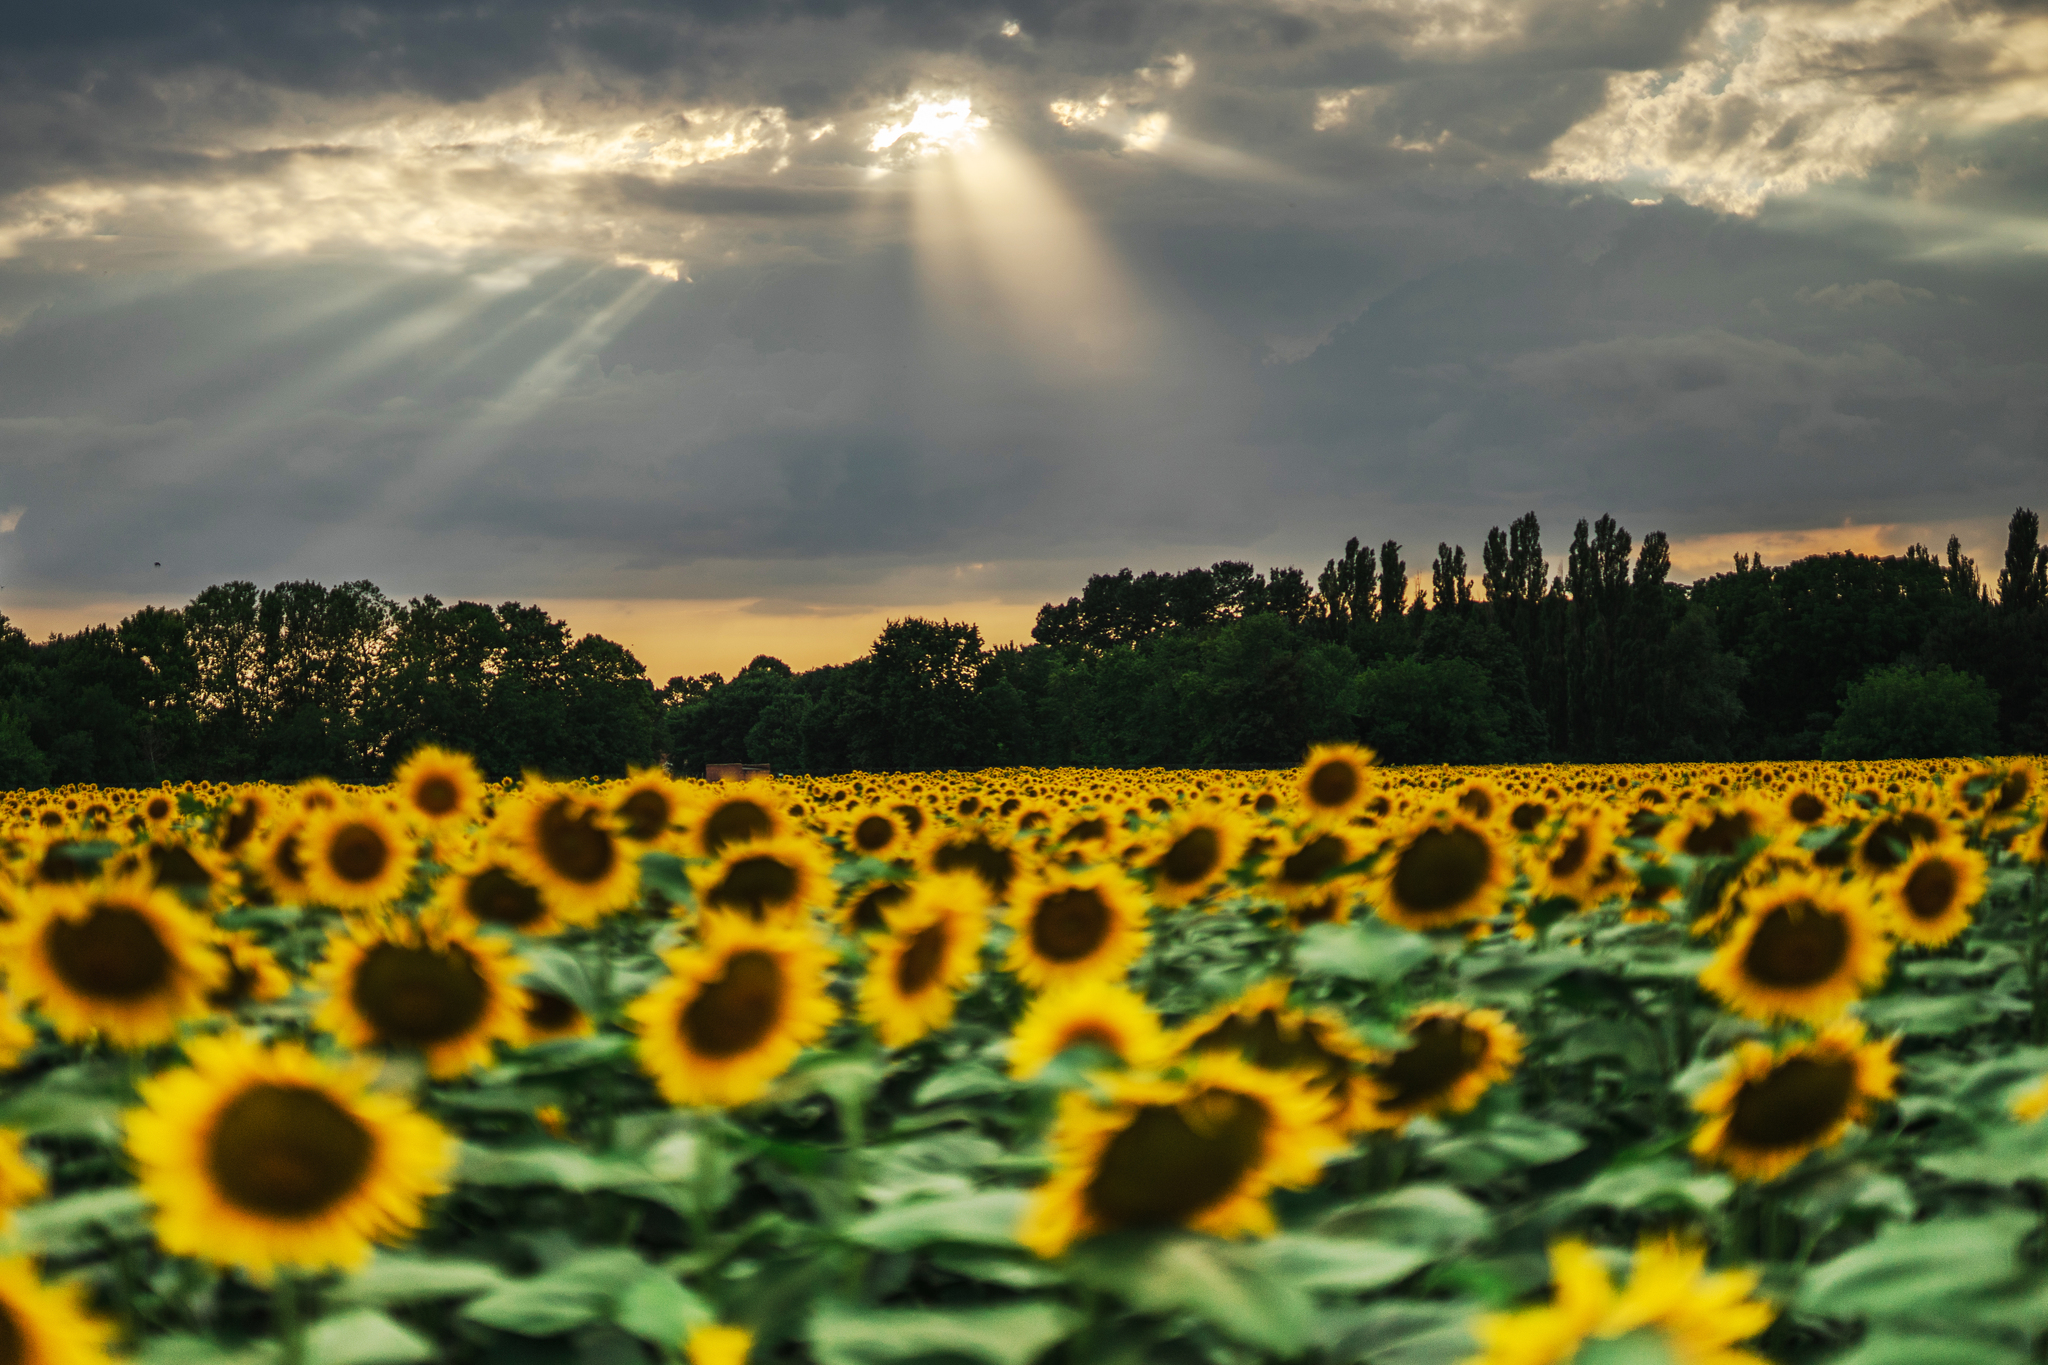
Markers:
{"x": 291, "y": 1328}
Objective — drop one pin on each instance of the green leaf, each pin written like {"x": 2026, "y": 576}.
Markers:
{"x": 1653, "y": 1186}
{"x": 396, "y": 1279}
{"x": 1016, "y": 1269}
{"x": 1637, "y": 1348}
{"x": 1200, "y": 1276}
{"x": 364, "y": 1337}
{"x": 1938, "y": 1015}
{"x": 1509, "y": 1143}
{"x": 1398, "y": 1332}
{"x": 61, "y": 1225}
{"x": 560, "y": 1166}
{"x": 74, "y": 1101}
{"x": 581, "y": 1290}
{"x": 1902, "y": 1348}
{"x": 1360, "y": 952}
{"x": 1012, "y": 1334}
{"x": 659, "y": 1310}
{"x": 964, "y": 1081}
{"x": 1336, "y": 1264}
{"x": 1918, "y": 1270}
{"x": 2009, "y": 1153}
{"x": 1435, "y": 1217}
{"x": 989, "y": 1219}
{"x": 183, "y": 1349}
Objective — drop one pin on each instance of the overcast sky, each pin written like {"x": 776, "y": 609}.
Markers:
{"x": 734, "y": 326}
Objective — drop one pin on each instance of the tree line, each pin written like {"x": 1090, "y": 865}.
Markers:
{"x": 1603, "y": 659}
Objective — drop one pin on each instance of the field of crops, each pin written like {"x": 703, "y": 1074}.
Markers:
{"x": 1698, "y": 1065}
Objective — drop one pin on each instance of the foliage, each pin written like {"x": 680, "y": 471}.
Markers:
{"x": 1904, "y": 712}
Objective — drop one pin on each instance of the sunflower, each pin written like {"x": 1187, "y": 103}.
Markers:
{"x": 357, "y": 856}
{"x": 16, "y": 1037}
{"x": 1335, "y": 779}
{"x": 48, "y": 1324}
{"x": 116, "y": 958}
{"x": 1570, "y": 863}
{"x": 1808, "y": 947}
{"x": 1302, "y": 870}
{"x": 1454, "y": 1054}
{"x": 1888, "y": 841}
{"x": 1200, "y": 1152}
{"x": 867, "y": 904}
{"x": 281, "y": 863}
{"x": 718, "y": 1345}
{"x": 1260, "y": 1027}
{"x": 563, "y": 844}
{"x": 933, "y": 946}
{"x": 731, "y": 812}
{"x": 183, "y": 866}
{"x": 1445, "y": 869}
{"x": 735, "y": 1011}
{"x": 20, "y": 1183}
{"x": 439, "y": 990}
{"x": 159, "y": 810}
{"x": 251, "y": 972}
{"x": 1803, "y": 805}
{"x": 876, "y": 831}
{"x": 1933, "y": 891}
{"x": 1687, "y": 1314}
{"x": 269, "y": 1158}
{"x": 316, "y": 794}
{"x": 1192, "y": 855}
{"x": 439, "y": 788}
{"x": 1112, "y": 1017}
{"x": 1717, "y": 829}
{"x": 983, "y": 849}
{"x": 646, "y": 808}
{"x": 550, "y": 1015}
{"x": 1075, "y": 924}
{"x": 1769, "y": 1109}
{"x": 1480, "y": 799}
{"x": 765, "y": 878}
{"x": 483, "y": 890}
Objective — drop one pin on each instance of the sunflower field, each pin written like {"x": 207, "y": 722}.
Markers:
{"x": 1675, "y": 1065}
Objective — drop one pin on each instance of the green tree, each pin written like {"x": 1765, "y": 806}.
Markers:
{"x": 1907, "y": 712}
{"x": 1431, "y": 711}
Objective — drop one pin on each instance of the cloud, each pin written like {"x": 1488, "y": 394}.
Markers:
{"x": 1842, "y": 297}
{"x": 10, "y": 519}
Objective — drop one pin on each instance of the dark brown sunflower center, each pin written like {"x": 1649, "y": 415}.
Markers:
{"x": 1439, "y": 1052}
{"x": 240, "y": 826}
{"x": 870, "y": 912}
{"x": 1266, "y": 803}
{"x": 2012, "y": 793}
{"x": 1794, "y": 1103}
{"x": 1314, "y": 860}
{"x": 13, "y": 1349}
{"x": 912, "y": 817}
{"x": 1090, "y": 1034}
{"x": 575, "y": 848}
{"x": 873, "y": 833}
{"x": 1718, "y": 837}
{"x": 734, "y": 822}
{"x": 1572, "y": 854}
{"x": 237, "y": 986}
{"x": 495, "y": 896}
{"x": 755, "y": 884}
{"x": 1886, "y": 845}
{"x": 160, "y": 808}
{"x": 995, "y": 866}
{"x": 436, "y": 795}
{"x": 1086, "y": 831}
{"x": 174, "y": 865}
{"x": 286, "y": 858}
{"x": 1333, "y": 784}
{"x": 1806, "y": 808}
{"x": 1796, "y": 946}
{"x": 549, "y": 1012}
{"x": 1475, "y": 802}
{"x": 1931, "y": 890}
{"x": 1263, "y": 1042}
{"x": 736, "y": 1012}
{"x": 1069, "y": 925}
{"x": 419, "y": 997}
{"x": 1441, "y": 869}
{"x": 286, "y": 1151}
{"x": 1192, "y": 858}
{"x": 1527, "y": 815}
{"x": 1318, "y": 912}
{"x": 646, "y": 814}
{"x": 358, "y": 854}
{"x": 114, "y": 953}
{"x": 919, "y": 965}
{"x": 1175, "y": 1160}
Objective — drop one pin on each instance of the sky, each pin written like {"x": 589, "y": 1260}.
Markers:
{"x": 726, "y": 328}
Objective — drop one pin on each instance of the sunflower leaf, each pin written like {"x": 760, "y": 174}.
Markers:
{"x": 364, "y": 1337}
{"x": 977, "y": 1220}
{"x": 1203, "y": 1278}
{"x": 396, "y": 1279}
{"x": 1336, "y": 1264}
{"x": 1012, "y": 1334}
{"x": 1360, "y": 952}
{"x": 1919, "y": 1271}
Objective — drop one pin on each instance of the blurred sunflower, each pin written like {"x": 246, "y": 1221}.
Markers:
{"x": 866, "y": 907}
{"x": 439, "y": 788}
{"x": 1574, "y": 859}
{"x": 1933, "y": 891}
{"x": 1769, "y": 1109}
{"x": 159, "y": 810}
{"x": 765, "y": 878}
{"x": 732, "y": 812}
{"x": 281, "y": 864}
{"x": 1193, "y": 854}
{"x": 357, "y": 856}
{"x": 1260, "y": 1027}
{"x": 270, "y": 1158}
{"x": 647, "y": 807}
{"x": 1803, "y": 805}
{"x": 483, "y": 890}
{"x": 1675, "y": 1309}
{"x": 1454, "y": 1054}
{"x": 1888, "y": 840}
{"x": 735, "y": 1011}
{"x": 983, "y": 849}
{"x": 563, "y": 845}
{"x": 1443, "y": 870}
{"x": 1808, "y": 947}
{"x": 718, "y": 1345}
{"x": 1201, "y": 1152}
{"x": 878, "y": 832}
{"x": 1112, "y": 1017}
{"x": 48, "y": 1324}
{"x": 932, "y": 947}
{"x": 437, "y": 990}
{"x": 20, "y": 1183}
{"x": 1717, "y": 828}
{"x": 1335, "y": 779}
{"x": 1074, "y": 924}
{"x": 115, "y": 958}
{"x": 252, "y": 972}
{"x": 1302, "y": 871}
{"x": 550, "y": 1015}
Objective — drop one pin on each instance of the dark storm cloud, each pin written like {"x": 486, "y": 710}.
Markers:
{"x": 366, "y": 290}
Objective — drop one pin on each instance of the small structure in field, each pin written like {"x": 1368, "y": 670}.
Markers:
{"x": 736, "y": 772}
